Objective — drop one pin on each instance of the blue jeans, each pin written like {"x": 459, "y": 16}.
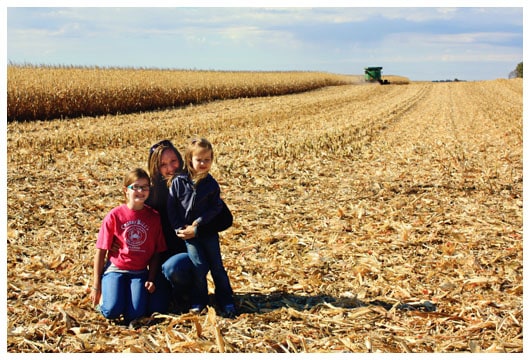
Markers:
{"x": 174, "y": 280}
{"x": 205, "y": 254}
{"x": 124, "y": 294}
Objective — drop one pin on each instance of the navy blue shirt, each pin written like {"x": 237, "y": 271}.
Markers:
{"x": 188, "y": 202}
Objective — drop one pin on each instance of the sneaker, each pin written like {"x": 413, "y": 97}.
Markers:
{"x": 229, "y": 311}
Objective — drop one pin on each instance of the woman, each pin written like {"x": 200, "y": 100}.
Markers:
{"x": 175, "y": 278}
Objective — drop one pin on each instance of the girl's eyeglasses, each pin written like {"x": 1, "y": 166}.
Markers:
{"x": 138, "y": 187}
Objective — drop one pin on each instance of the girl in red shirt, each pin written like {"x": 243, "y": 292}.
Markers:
{"x": 126, "y": 277}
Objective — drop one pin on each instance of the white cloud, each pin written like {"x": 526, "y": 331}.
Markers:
{"x": 318, "y": 38}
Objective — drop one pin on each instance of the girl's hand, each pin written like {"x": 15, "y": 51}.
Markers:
{"x": 150, "y": 286}
{"x": 95, "y": 295}
{"x": 187, "y": 232}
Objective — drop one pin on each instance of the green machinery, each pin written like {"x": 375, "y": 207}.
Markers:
{"x": 373, "y": 74}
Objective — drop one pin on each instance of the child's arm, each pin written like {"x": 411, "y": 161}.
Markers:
{"x": 99, "y": 262}
{"x": 153, "y": 268}
{"x": 175, "y": 210}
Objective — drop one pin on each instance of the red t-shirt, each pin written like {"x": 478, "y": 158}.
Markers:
{"x": 138, "y": 232}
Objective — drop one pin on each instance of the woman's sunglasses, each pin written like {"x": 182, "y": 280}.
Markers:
{"x": 165, "y": 143}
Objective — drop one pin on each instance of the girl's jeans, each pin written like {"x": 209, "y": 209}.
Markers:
{"x": 174, "y": 280}
{"x": 205, "y": 254}
{"x": 124, "y": 293}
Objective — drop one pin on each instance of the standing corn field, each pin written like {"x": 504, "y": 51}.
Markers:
{"x": 40, "y": 93}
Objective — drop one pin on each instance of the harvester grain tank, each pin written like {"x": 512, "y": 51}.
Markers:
{"x": 373, "y": 74}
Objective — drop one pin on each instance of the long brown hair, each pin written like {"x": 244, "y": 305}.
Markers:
{"x": 155, "y": 153}
{"x": 153, "y": 164}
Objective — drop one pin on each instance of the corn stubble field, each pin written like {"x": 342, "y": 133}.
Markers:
{"x": 368, "y": 218}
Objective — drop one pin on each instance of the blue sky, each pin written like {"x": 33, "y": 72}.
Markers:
{"x": 421, "y": 43}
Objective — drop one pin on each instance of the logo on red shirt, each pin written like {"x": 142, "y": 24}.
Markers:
{"x": 135, "y": 234}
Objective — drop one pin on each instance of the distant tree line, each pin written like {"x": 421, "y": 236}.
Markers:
{"x": 455, "y": 80}
{"x": 518, "y": 72}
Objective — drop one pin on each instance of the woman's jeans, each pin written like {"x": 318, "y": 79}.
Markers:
{"x": 173, "y": 281}
{"x": 205, "y": 254}
{"x": 124, "y": 293}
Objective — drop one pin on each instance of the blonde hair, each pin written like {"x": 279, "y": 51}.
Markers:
{"x": 196, "y": 143}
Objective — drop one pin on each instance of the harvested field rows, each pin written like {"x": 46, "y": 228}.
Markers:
{"x": 367, "y": 219}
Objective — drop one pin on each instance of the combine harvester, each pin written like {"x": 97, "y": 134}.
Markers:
{"x": 373, "y": 74}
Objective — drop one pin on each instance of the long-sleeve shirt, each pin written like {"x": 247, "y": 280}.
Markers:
{"x": 188, "y": 203}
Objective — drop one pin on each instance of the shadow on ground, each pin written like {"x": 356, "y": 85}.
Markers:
{"x": 258, "y": 303}
{"x": 261, "y": 303}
